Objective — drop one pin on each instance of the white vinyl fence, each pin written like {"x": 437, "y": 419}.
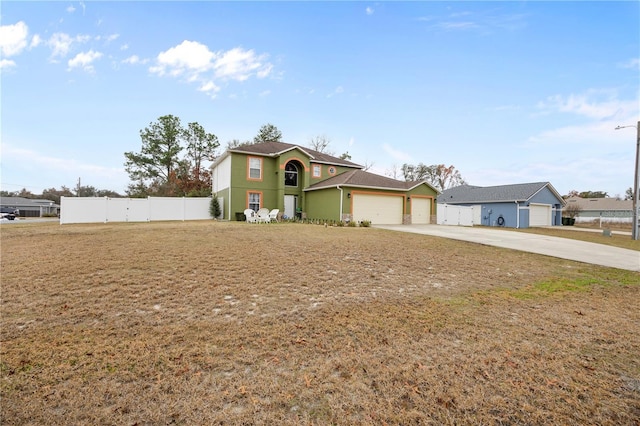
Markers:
{"x": 105, "y": 209}
{"x": 458, "y": 215}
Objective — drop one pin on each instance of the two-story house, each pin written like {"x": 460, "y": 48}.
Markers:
{"x": 309, "y": 184}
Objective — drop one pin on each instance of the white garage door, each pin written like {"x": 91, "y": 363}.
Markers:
{"x": 540, "y": 215}
{"x": 420, "y": 210}
{"x": 379, "y": 209}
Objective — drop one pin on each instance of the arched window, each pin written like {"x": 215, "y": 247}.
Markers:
{"x": 291, "y": 174}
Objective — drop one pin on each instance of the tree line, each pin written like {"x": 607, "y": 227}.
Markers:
{"x": 175, "y": 160}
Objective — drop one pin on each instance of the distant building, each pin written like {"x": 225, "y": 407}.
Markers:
{"x": 602, "y": 209}
{"x": 28, "y": 207}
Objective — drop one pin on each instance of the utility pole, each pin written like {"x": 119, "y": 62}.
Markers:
{"x": 78, "y": 188}
{"x": 636, "y": 177}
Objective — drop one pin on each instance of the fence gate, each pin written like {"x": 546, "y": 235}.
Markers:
{"x": 458, "y": 215}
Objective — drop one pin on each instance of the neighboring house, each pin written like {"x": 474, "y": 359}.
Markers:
{"x": 29, "y": 207}
{"x": 304, "y": 183}
{"x": 602, "y": 209}
{"x": 515, "y": 206}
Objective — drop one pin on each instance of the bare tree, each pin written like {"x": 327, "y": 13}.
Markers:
{"x": 320, "y": 143}
{"x": 438, "y": 175}
{"x": 367, "y": 165}
{"x": 572, "y": 210}
{"x": 393, "y": 172}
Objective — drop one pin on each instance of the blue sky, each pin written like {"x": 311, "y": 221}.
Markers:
{"x": 507, "y": 92}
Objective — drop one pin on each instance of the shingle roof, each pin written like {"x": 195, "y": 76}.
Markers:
{"x": 273, "y": 149}
{"x": 21, "y": 201}
{"x": 600, "y": 204}
{"x": 493, "y": 194}
{"x": 360, "y": 178}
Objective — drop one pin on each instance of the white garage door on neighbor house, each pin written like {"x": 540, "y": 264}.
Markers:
{"x": 539, "y": 214}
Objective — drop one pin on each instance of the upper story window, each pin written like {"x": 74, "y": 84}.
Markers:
{"x": 255, "y": 168}
{"x": 317, "y": 171}
{"x": 290, "y": 174}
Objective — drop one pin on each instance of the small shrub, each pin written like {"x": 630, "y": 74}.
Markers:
{"x": 352, "y": 224}
{"x": 365, "y": 223}
{"x": 214, "y": 208}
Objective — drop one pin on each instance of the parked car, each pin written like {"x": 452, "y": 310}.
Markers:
{"x": 9, "y": 213}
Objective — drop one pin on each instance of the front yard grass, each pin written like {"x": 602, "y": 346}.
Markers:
{"x": 231, "y": 323}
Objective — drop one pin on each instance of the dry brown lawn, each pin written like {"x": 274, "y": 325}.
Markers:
{"x": 230, "y": 323}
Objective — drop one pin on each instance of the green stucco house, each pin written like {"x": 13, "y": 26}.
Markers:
{"x": 304, "y": 183}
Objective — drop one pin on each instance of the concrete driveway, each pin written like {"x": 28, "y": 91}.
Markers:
{"x": 564, "y": 248}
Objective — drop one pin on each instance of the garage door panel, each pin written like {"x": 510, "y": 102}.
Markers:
{"x": 540, "y": 215}
{"x": 420, "y": 211}
{"x": 379, "y": 209}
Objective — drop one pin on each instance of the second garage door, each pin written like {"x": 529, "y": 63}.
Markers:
{"x": 379, "y": 209}
{"x": 540, "y": 215}
{"x": 420, "y": 211}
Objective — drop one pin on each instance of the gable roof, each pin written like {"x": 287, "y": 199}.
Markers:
{"x": 600, "y": 204}
{"x": 362, "y": 179}
{"x": 495, "y": 194}
{"x": 275, "y": 149}
{"x": 26, "y": 202}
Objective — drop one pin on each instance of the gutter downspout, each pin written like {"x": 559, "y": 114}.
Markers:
{"x": 517, "y": 215}
{"x": 341, "y": 196}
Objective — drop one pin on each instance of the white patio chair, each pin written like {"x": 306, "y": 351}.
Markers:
{"x": 273, "y": 214}
{"x": 250, "y": 216}
{"x": 263, "y": 215}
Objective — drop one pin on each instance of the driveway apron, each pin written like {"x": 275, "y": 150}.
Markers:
{"x": 564, "y": 248}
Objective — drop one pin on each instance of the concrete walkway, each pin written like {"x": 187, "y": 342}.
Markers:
{"x": 564, "y": 248}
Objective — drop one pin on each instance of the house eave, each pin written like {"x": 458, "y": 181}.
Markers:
{"x": 335, "y": 185}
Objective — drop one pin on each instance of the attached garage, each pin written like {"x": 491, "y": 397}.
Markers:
{"x": 379, "y": 209}
{"x": 420, "y": 211}
{"x": 539, "y": 215}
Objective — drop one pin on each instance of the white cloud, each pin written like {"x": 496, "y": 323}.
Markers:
{"x": 188, "y": 57}
{"x": 84, "y": 60}
{"x": 112, "y": 37}
{"x": 460, "y": 25}
{"x": 57, "y": 166}
{"x": 71, "y": 9}
{"x": 210, "y": 89}
{"x": 338, "y": 90}
{"x": 5, "y": 64}
{"x": 594, "y": 104}
{"x": 239, "y": 64}
{"x": 195, "y": 62}
{"x": 395, "y": 154}
{"x": 13, "y": 38}
{"x": 62, "y": 43}
{"x": 369, "y": 11}
{"x": 134, "y": 60}
{"x": 36, "y": 40}
{"x": 633, "y": 63}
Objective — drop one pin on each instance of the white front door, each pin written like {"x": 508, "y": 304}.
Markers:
{"x": 290, "y": 206}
